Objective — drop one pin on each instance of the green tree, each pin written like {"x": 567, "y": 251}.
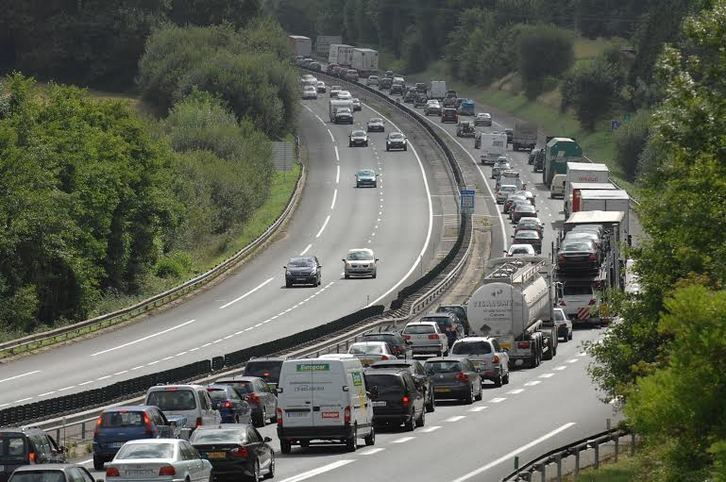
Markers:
{"x": 630, "y": 140}
{"x": 542, "y": 51}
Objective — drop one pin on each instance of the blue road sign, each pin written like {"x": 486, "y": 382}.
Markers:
{"x": 467, "y": 200}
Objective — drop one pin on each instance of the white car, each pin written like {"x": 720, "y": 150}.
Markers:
{"x": 360, "y": 262}
{"x": 517, "y": 250}
{"x": 321, "y": 87}
{"x": 345, "y": 95}
{"x": 369, "y": 352}
{"x": 309, "y": 92}
{"x": 563, "y": 324}
{"x": 426, "y": 338}
{"x": 159, "y": 459}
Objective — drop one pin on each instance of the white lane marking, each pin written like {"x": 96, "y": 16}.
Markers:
{"x": 514, "y": 452}
{"x": 420, "y": 257}
{"x": 323, "y": 228}
{"x": 321, "y": 120}
{"x": 371, "y": 451}
{"x": 560, "y": 368}
{"x": 478, "y": 409}
{"x": 105, "y": 377}
{"x": 181, "y": 353}
{"x": 335, "y": 196}
{"x": 403, "y": 440}
{"x": 497, "y": 400}
{"x": 148, "y": 337}
{"x": 533, "y": 383}
{"x": 337, "y": 174}
{"x": 332, "y": 138}
{"x": 23, "y": 400}
{"x": 194, "y": 349}
{"x": 4, "y": 404}
{"x": 306, "y": 249}
{"x": 141, "y": 366}
{"x": 226, "y": 337}
{"x": 430, "y": 429}
{"x": 572, "y": 360}
{"x": 337, "y": 154}
{"x": 123, "y": 371}
{"x": 260, "y": 286}
{"x": 86, "y": 462}
{"x": 84, "y": 383}
{"x": 320, "y": 470}
{"x": 547, "y": 375}
{"x": 308, "y": 108}
{"x": 154, "y": 362}
{"x": 26, "y": 374}
{"x": 47, "y": 393}
{"x": 455, "y": 418}
{"x": 516, "y": 391}
{"x": 65, "y": 388}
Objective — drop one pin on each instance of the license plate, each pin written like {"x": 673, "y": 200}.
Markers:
{"x": 297, "y": 414}
{"x": 366, "y": 362}
{"x": 139, "y": 473}
{"x": 379, "y": 404}
{"x": 442, "y": 389}
{"x": 215, "y": 455}
{"x": 116, "y": 445}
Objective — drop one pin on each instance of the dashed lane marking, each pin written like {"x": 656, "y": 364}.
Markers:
{"x": 403, "y": 440}
{"x": 478, "y": 409}
{"x": 547, "y": 375}
{"x": 258, "y": 287}
{"x": 455, "y": 418}
{"x": 371, "y": 451}
{"x": 560, "y": 368}
{"x": 148, "y": 337}
{"x": 430, "y": 429}
{"x": 497, "y": 400}
{"x": 533, "y": 383}
{"x": 516, "y": 391}
{"x": 325, "y": 223}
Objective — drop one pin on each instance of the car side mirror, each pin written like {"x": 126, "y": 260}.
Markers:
{"x": 343, "y": 260}
{"x": 267, "y": 439}
{"x": 284, "y": 267}
{"x": 377, "y": 260}
{"x": 278, "y": 390}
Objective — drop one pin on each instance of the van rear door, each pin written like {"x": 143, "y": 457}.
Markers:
{"x": 329, "y": 396}
{"x": 296, "y": 398}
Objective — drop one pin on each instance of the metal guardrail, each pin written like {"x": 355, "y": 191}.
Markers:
{"x": 575, "y": 449}
{"x": 29, "y": 342}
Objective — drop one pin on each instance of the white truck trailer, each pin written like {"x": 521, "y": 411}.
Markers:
{"x": 577, "y": 187}
{"x": 605, "y": 200}
{"x": 492, "y": 144}
{"x": 300, "y": 45}
{"x": 340, "y": 54}
{"x": 323, "y": 42}
{"x": 365, "y": 61}
{"x": 336, "y": 104}
{"x": 514, "y": 305}
{"x": 438, "y": 89}
{"x": 524, "y": 135}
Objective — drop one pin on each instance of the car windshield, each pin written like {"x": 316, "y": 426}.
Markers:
{"x": 39, "y": 476}
{"x": 526, "y": 207}
{"x": 575, "y": 246}
{"x": 217, "y": 394}
{"x": 122, "y": 418}
{"x": 136, "y": 451}
{"x": 343, "y": 110}
{"x": 172, "y": 400}
{"x": 358, "y": 134}
{"x": 366, "y": 172}
{"x": 300, "y": 263}
{"x": 471, "y": 348}
{"x": 242, "y": 387}
{"x": 365, "y": 349}
{"x": 528, "y": 235}
{"x": 375, "y": 121}
{"x": 359, "y": 255}
{"x": 443, "y": 366}
{"x": 218, "y": 435}
{"x": 263, "y": 369}
{"x": 384, "y": 384}
{"x": 559, "y": 316}
{"x": 520, "y": 250}
{"x": 396, "y": 135}
{"x": 418, "y": 329}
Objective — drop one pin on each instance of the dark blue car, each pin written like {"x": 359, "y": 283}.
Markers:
{"x": 116, "y": 426}
{"x": 230, "y": 404}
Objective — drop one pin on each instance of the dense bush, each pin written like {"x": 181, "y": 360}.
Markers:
{"x": 542, "y": 51}
{"x": 630, "y": 140}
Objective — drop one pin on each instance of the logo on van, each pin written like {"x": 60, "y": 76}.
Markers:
{"x": 357, "y": 379}
{"x": 313, "y": 367}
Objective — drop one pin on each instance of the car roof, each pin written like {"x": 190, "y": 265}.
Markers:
{"x": 472, "y": 339}
{"x": 399, "y": 363}
{"x": 444, "y": 359}
{"x": 429, "y": 323}
{"x": 45, "y": 467}
{"x": 154, "y": 441}
{"x": 372, "y": 343}
{"x": 127, "y": 408}
{"x": 385, "y": 333}
{"x": 355, "y": 250}
{"x": 237, "y": 378}
{"x": 524, "y": 233}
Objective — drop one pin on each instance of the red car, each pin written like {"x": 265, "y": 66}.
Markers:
{"x": 449, "y": 115}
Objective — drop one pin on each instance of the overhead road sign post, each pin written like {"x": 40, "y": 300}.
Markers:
{"x": 467, "y": 200}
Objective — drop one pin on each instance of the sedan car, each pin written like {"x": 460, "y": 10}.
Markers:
{"x": 369, "y": 352}
{"x": 396, "y": 140}
{"x": 483, "y": 119}
{"x": 376, "y": 124}
{"x": 258, "y": 395}
{"x": 161, "y": 459}
{"x": 530, "y": 223}
{"x": 500, "y": 166}
{"x": 320, "y": 86}
{"x": 512, "y": 200}
{"x": 530, "y": 237}
{"x": 343, "y": 115}
{"x": 523, "y": 210}
{"x": 303, "y": 270}
{"x": 399, "y": 346}
{"x": 309, "y": 92}
{"x": 433, "y": 107}
{"x": 51, "y": 473}
{"x": 517, "y": 250}
{"x": 417, "y": 371}
{"x": 345, "y": 95}
{"x": 358, "y": 138}
{"x": 232, "y": 408}
{"x": 334, "y": 90}
{"x": 577, "y": 255}
{"x": 366, "y": 178}
{"x": 356, "y": 104}
{"x": 235, "y": 451}
{"x": 454, "y": 378}
{"x": 360, "y": 262}
{"x": 372, "y": 80}
{"x": 504, "y": 191}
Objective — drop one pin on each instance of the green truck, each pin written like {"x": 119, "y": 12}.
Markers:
{"x": 558, "y": 152}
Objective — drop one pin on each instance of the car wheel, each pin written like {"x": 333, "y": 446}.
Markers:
{"x": 479, "y": 394}
{"x": 470, "y": 396}
{"x": 374, "y": 275}
{"x": 97, "y": 463}
{"x": 431, "y": 404}
{"x": 409, "y": 424}
{"x": 421, "y": 420}
{"x": 288, "y": 284}
{"x": 285, "y": 446}
{"x": 388, "y": 148}
{"x": 271, "y": 471}
{"x": 256, "y": 472}
{"x": 352, "y": 443}
{"x": 498, "y": 380}
{"x": 506, "y": 379}
{"x": 347, "y": 276}
{"x": 370, "y": 439}
{"x": 405, "y": 148}
{"x": 260, "y": 418}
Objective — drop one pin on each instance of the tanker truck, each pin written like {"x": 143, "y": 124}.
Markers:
{"x": 514, "y": 305}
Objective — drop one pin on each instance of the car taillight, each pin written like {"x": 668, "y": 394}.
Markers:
{"x": 112, "y": 472}
{"x": 562, "y": 303}
{"x": 32, "y": 457}
{"x": 198, "y": 423}
{"x": 433, "y": 337}
{"x": 278, "y": 414}
{"x": 462, "y": 377}
{"x": 406, "y": 337}
{"x": 99, "y": 421}
{"x": 592, "y": 302}
{"x": 523, "y": 345}
{"x": 405, "y": 401}
{"x": 384, "y": 357}
{"x": 147, "y": 424}
{"x": 592, "y": 257}
{"x": 346, "y": 415}
{"x": 495, "y": 359}
{"x": 561, "y": 258}
{"x": 167, "y": 470}
{"x": 253, "y": 398}
{"x": 228, "y": 404}
{"x": 239, "y": 452}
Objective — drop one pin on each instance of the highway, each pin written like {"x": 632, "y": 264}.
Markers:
{"x": 401, "y": 220}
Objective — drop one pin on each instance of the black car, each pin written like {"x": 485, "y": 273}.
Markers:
{"x": 421, "y": 87}
{"x": 510, "y": 135}
{"x": 232, "y": 408}
{"x": 358, "y": 138}
{"x": 52, "y": 473}
{"x": 343, "y": 116}
{"x": 578, "y": 255}
{"x": 266, "y": 368}
{"x": 448, "y": 323}
{"x": 399, "y": 346}
{"x": 235, "y": 451}
{"x": 460, "y": 312}
{"x": 376, "y": 124}
{"x": 417, "y": 370}
{"x": 454, "y": 378}
{"x": 24, "y": 446}
{"x": 396, "y": 399}
{"x": 303, "y": 270}
{"x": 258, "y": 395}
{"x": 396, "y": 140}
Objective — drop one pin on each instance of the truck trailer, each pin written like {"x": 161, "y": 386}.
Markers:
{"x": 577, "y": 187}
{"x": 341, "y": 54}
{"x": 581, "y": 172}
{"x": 438, "y": 89}
{"x": 323, "y": 42}
{"x": 300, "y": 45}
{"x": 492, "y": 144}
{"x": 514, "y": 305}
{"x": 365, "y": 61}
{"x": 524, "y": 135}
{"x": 558, "y": 152}
{"x": 605, "y": 200}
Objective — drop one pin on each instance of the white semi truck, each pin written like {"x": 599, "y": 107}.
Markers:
{"x": 577, "y": 187}
{"x": 438, "y": 89}
{"x": 581, "y": 172}
{"x": 336, "y": 104}
{"x": 340, "y": 54}
{"x": 365, "y": 61}
{"x": 300, "y": 45}
{"x": 323, "y": 42}
{"x": 514, "y": 305}
{"x": 492, "y": 144}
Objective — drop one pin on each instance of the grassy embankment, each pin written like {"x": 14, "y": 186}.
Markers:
{"x": 506, "y": 95}
{"x": 622, "y": 471}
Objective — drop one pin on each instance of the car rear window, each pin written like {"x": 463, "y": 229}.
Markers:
{"x": 225, "y": 436}
{"x": 386, "y": 338}
{"x": 263, "y": 369}
{"x": 241, "y": 387}
{"x": 443, "y": 366}
{"x": 365, "y": 349}
{"x": 172, "y": 400}
{"x": 146, "y": 451}
{"x": 12, "y": 448}
{"x": 471, "y": 348}
{"x": 418, "y": 329}
{"x": 122, "y": 419}
{"x": 39, "y": 476}
{"x": 217, "y": 394}
{"x": 385, "y": 384}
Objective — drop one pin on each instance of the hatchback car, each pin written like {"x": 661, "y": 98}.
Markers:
{"x": 454, "y": 378}
{"x": 498, "y": 167}
{"x": 396, "y": 140}
{"x": 376, "y": 124}
{"x": 309, "y": 92}
{"x": 417, "y": 371}
{"x": 358, "y": 138}
{"x": 504, "y": 191}
{"x": 372, "y": 80}
{"x": 517, "y": 250}
{"x": 433, "y": 107}
{"x": 530, "y": 223}
{"x": 488, "y": 358}
{"x": 528, "y": 236}
{"x": 267, "y": 368}
{"x": 512, "y": 200}
{"x": 483, "y": 119}
{"x": 303, "y": 270}
{"x": 360, "y": 262}
{"x": 366, "y": 178}
{"x": 523, "y": 210}
{"x": 369, "y": 352}
{"x": 27, "y": 445}
{"x": 448, "y": 323}
{"x": 460, "y": 312}
{"x": 158, "y": 459}
{"x": 357, "y": 106}
{"x": 232, "y": 408}
{"x": 117, "y": 425}
{"x": 395, "y": 398}
{"x": 563, "y": 324}
{"x": 426, "y": 339}
{"x": 258, "y": 395}
{"x": 320, "y": 86}
{"x": 52, "y": 473}
{"x": 236, "y": 451}
{"x": 399, "y": 346}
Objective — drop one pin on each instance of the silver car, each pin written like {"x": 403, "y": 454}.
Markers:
{"x": 369, "y": 352}
{"x": 160, "y": 459}
{"x": 360, "y": 262}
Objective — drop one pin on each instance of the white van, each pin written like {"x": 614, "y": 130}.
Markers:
{"x": 323, "y": 399}
{"x": 557, "y": 189}
{"x": 189, "y": 401}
